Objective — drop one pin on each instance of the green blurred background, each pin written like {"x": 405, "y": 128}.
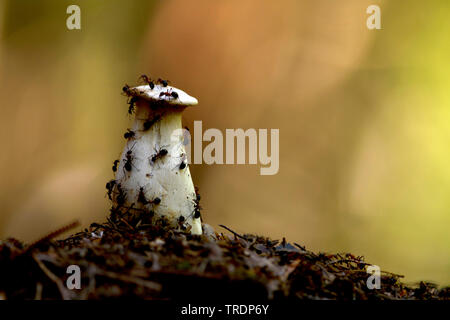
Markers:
{"x": 364, "y": 116}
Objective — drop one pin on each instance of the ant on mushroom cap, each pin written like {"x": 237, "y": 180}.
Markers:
{"x": 164, "y": 83}
{"x": 169, "y": 93}
{"x": 147, "y": 80}
{"x": 126, "y": 90}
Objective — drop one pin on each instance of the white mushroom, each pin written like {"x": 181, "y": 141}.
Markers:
{"x": 153, "y": 173}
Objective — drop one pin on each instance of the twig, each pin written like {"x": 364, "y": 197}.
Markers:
{"x": 65, "y": 294}
{"x": 53, "y": 234}
{"x": 125, "y": 278}
{"x": 235, "y": 233}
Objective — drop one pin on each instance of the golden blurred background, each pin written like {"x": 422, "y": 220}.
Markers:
{"x": 364, "y": 116}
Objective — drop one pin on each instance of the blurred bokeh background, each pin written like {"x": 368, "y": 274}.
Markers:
{"x": 364, "y": 116}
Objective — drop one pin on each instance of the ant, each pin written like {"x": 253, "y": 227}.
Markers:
{"x": 159, "y": 154}
{"x": 129, "y": 159}
{"x": 132, "y": 103}
{"x": 163, "y": 82}
{"x": 196, "y": 212}
{"x": 141, "y": 197}
{"x": 110, "y": 187}
{"x": 181, "y": 220}
{"x": 183, "y": 163}
{"x": 114, "y": 167}
{"x": 129, "y": 134}
{"x": 121, "y": 197}
{"x": 197, "y": 194}
{"x": 169, "y": 93}
{"x": 149, "y": 123}
{"x": 147, "y": 80}
{"x": 126, "y": 90}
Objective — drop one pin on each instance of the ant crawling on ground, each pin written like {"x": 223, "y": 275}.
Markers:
{"x": 129, "y": 159}
{"x": 169, "y": 93}
{"x": 159, "y": 154}
{"x": 147, "y": 80}
{"x": 110, "y": 186}
{"x": 149, "y": 123}
{"x": 129, "y": 134}
{"x": 114, "y": 167}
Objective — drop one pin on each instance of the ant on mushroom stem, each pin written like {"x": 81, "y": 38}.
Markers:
{"x": 197, "y": 194}
{"x": 132, "y": 103}
{"x": 110, "y": 186}
{"x": 183, "y": 163}
{"x": 149, "y": 123}
{"x": 129, "y": 159}
{"x": 196, "y": 213}
{"x": 141, "y": 197}
{"x": 114, "y": 167}
{"x": 121, "y": 197}
{"x": 159, "y": 154}
{"x": 129, "y": 134}
{"x": 181, "y": 220}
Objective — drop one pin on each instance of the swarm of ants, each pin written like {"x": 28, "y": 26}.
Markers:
{"x": 115, "y": 191}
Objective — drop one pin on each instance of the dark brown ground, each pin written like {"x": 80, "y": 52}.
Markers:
{"x": 143, "y": 258}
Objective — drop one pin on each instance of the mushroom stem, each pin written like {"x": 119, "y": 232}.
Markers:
{"x": 150, "y": 174}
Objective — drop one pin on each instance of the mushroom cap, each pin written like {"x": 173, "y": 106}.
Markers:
{"x": 145, "y": 92}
